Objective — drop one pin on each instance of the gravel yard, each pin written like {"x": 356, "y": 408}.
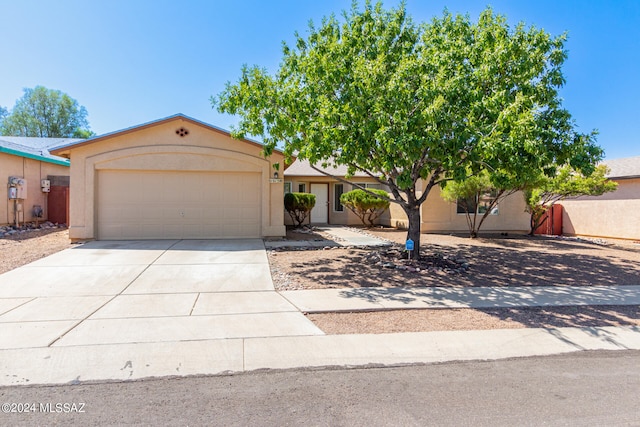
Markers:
{"x": 450, "y": 260}
{"x": 31, "y": 245}
{"x": 459, "y": 261}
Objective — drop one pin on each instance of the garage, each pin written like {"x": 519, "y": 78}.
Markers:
{"x": 177, "y": 205}
{"x": 174, "y": 178}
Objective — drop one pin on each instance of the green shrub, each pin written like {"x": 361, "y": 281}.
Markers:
{"x": 298, "y": 205}
{"x": 365, "y": 205}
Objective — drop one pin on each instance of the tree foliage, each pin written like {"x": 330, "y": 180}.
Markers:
{"x": 3, "y": 114}
{"x": 567, "y": 184}
{"x": 478, "y": 196}
{"x": 299, "y": 205}
{"x": 414, "y": 105}
{"x": 365, "y": 205}
{"x": 49, "y": 113}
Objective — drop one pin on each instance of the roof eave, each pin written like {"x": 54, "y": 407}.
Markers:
{"x": 34, "y": 156}
{"x": 66, "y": 148}
{"x": 624, "y": 177}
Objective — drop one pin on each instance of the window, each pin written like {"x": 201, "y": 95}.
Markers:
{"x": 302, "y": 188}
{"x": 287, "y": 187}
{"x": 478, "y": 204}
{"x": 368, "y": 185}
{"x": 338, "y": 189}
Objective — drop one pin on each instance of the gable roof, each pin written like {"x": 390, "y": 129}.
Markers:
{"x": 63, "y": 149}
{"x": 35, "y": 148}
{"x": 303, "y": 168}
{"x": 627, "y": 167}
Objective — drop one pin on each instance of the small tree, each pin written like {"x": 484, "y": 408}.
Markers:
{"x": 298, "y": 205}
{"x": 566, "y": 184}
{"x": 477, "y": 195}
{"x": 365, "y": 205}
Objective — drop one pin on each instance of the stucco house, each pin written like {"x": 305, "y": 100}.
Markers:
{"x": 613, "y": 215}
{"x": 29, "y": 160}
{"x": 176, "y": 177}
{"x": 437, "y": 215}
{"x": 300, "y": 177}
{"x": 440, "y": 216}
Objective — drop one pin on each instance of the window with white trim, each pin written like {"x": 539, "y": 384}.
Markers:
{"x": 287, "y": 187}
{"x": 302, "y": 188}
{"x": 478, "y": 204}
{"x": 367, "y": 185}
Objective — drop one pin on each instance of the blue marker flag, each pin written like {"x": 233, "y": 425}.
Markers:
{"x": 409, "y": 245}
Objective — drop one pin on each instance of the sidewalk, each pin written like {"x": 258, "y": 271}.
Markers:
{"x": 367, "y": 299}
{"x": 72, "y": 365}
{"x": 343, "y": 237}
{"x": 126, "y": 361}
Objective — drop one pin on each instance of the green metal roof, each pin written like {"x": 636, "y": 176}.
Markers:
{"x": 62, "y": 162}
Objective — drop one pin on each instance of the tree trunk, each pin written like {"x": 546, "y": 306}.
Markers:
{"x": 532, "y": 224}
{"x": 413, "y": 213}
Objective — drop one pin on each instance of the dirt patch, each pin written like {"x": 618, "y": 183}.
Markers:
{"x": 396, "y": 321}
{"x": 31, "y": 245}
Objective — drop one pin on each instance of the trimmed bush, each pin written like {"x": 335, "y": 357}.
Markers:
{"x": 365, "y": 205}
{"x": 299, "y": 205}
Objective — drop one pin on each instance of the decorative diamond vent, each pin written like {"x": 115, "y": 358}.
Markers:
{"x": 182, "y": 132}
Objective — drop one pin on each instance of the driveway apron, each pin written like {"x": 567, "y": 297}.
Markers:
{"x": 122, "y": 292}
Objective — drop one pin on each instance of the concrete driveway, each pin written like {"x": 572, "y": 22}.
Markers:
{"x": 124, "y": 292}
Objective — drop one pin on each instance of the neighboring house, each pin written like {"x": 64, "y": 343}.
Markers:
{"x": 29, "y": 159}
{"x": 613, "y": 215}
{"x": 173, "y": 178}
{"x": 437, "y": 215}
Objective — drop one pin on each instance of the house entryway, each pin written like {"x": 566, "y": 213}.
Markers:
{"x": 320, "y": 212}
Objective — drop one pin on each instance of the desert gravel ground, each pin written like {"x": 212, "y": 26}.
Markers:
{"x": 495, "y": 260}
{"x": 456, "y": 260}
{"x": 23, "y": 248}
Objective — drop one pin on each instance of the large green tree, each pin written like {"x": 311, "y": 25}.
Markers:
{"x": 49, "y": 113}
{"x": 412, "y": 105}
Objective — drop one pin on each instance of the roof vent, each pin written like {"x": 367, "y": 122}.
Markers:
{"x": 182, "y": 132}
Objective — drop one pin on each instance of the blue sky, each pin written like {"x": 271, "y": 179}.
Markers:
{"x": 132, "y": 61}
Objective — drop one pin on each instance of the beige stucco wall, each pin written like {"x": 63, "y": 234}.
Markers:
{"x": 33, "y": 171}
{"x": 440, "y": 216}
{"x": 157, "y": 147}
{"x": 614, "y": 215}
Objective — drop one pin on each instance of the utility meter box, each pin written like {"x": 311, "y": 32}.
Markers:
{"x": 45, "y": 184}
{"x": 20, "y": 185}
{"x": 13, "y": 193}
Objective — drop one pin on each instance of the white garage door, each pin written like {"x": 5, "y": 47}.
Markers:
{"x": 177, "y": 205}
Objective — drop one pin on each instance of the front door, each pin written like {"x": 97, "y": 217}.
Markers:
{"x": 320, "y": 212}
